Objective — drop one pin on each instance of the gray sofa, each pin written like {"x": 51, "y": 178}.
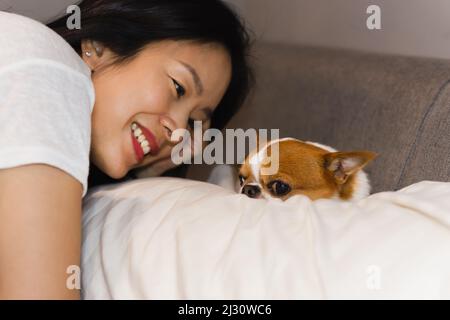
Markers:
{"x": 396, "y": 106}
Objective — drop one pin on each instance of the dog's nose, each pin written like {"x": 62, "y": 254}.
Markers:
{"x": 251, "y": 191}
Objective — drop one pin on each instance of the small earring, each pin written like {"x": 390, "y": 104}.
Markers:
{"x": 88, "y": 53}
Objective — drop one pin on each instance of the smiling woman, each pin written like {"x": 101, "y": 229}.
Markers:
{"x": 101, "y": 102}
{"x": 160, "y": 66}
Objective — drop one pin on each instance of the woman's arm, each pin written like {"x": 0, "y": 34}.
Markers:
{"x": 40, "y": 232}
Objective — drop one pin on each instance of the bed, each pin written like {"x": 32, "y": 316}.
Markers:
{"x": 169, "y": 238}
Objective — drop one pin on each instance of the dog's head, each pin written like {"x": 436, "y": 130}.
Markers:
{"x": 306, "y": 168}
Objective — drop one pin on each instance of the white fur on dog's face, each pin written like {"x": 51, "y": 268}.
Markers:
{"x": 302, "y": 170}
{"x": 255, "y": 160}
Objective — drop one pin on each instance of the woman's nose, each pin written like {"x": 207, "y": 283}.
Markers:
{"x": 169, "y": 126}
{"x": 177, "y": 116}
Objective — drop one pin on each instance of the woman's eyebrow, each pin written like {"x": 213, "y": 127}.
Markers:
{"x": 196, "y": 78}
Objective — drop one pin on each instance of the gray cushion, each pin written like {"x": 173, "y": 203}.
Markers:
{"x": 396, "y": 106}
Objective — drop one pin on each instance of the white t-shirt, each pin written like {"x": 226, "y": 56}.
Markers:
{"x": 46, "y": 99}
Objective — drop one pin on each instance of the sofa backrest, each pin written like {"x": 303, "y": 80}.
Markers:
{"x": 396, "y": 106}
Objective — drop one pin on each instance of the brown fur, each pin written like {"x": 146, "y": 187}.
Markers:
{"x": 312, "y": 171}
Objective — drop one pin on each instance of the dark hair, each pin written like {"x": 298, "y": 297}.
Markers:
{"x": 127, "y": 26}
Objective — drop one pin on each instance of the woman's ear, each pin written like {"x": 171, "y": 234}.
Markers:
{"x": 93, "y": 53}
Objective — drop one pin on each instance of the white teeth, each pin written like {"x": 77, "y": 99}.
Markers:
{"x": 137, "y": 132}
{"x": 145, "y": 145}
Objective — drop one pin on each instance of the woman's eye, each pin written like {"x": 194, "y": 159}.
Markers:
{"x": 180, "y": 90}
{"x": 279, "y": 188}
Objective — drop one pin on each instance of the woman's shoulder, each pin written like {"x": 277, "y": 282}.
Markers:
{"x": 22, "y": 38}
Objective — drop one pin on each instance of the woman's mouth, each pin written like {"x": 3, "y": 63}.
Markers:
{"x": 143, "y": 141}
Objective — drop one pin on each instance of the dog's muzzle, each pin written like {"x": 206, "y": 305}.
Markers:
{"x": 251, "y": 191}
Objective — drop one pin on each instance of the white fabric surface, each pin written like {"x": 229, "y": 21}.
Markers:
{"x": 169, "y": 238}
{"x": 46, "y": 99}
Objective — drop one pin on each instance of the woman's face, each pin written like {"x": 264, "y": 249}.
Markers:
{"x": 166, "y": 87}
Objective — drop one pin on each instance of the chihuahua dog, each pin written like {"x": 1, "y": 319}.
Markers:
{"x": 306, "y": 168}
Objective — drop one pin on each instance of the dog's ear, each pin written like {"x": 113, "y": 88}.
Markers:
{"x": 344, "y": 164}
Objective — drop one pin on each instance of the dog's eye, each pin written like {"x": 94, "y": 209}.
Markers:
{"x": 241, "y": 180}
{"x": 279, "y": 187}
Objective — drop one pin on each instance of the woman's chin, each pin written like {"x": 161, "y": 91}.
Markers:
{"x": 114, "y": 170}
{"x": 118, "y": 173}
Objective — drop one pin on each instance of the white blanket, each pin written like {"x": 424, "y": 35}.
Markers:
{"x": 168, "y": 238}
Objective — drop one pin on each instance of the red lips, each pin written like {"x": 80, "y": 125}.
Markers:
{"x": 137, "y": 148}
{"x": 150, "y": 138}
{"x": 139, "y": 152}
